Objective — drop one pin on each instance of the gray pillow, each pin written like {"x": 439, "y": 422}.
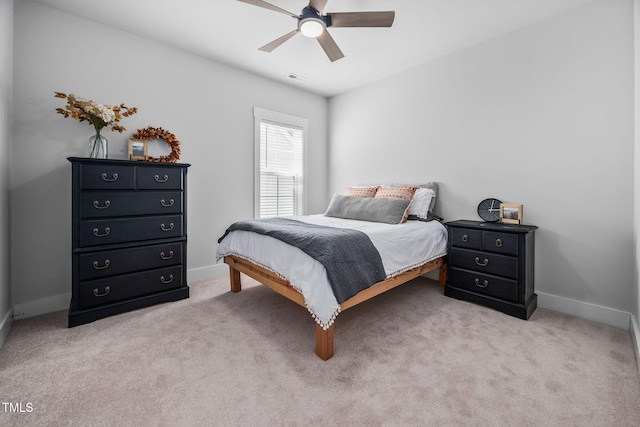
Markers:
{"x": 390, "y": 211}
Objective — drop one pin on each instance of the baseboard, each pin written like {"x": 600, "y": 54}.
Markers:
{"x": 5, "y": 326}
{"x": 597, "y": 313}
{"x": 42, "y": 306}
{"x": 208, "y": 272}
{"x": 635, "y": 337}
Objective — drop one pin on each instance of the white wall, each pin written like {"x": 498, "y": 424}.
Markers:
{"x": 542, "y": 116}
{"x": 6, "y": 68}
{"x": 207, "y": 105}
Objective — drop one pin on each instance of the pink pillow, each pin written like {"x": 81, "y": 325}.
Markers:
{"x": 396, "y": 192}
{"x": 364, "y": 192}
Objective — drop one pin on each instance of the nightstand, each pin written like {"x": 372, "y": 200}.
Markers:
{"x": 492, "y": 264}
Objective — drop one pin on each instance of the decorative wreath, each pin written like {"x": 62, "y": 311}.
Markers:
{"x": 150, "y": 133}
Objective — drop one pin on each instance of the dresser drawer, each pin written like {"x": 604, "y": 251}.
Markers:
{"x": 504, "y": 243}
{"x": 110, "y": 263}
{"x": 117, "y": 288}
{"x": 466, "y": 238}
{"x": 484, "y": 284}
{"x": 101, "y": 204}
{"x": 95, "y": 232}
{"x": 485, "y": 262}
{"x": 158, "y": 178}
{"x": 98, "y": 176}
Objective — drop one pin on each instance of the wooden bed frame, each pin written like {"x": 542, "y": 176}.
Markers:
{"x": 324, "y": 338}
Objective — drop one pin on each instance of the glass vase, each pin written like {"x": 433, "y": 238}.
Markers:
{"x": 98, "y": 146}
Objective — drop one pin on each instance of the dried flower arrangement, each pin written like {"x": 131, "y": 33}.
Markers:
{"x": 98, "y": 115}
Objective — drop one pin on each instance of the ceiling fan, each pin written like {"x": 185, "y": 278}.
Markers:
{"x": 312, "y": 23}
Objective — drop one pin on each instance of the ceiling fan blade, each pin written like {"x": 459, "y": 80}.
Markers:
{"x": 268, "y": 6}
{"x": 330, "y": 47}
{"x": 362, "y": 19}
{"x": 277, "y": 42}
{"x": 318, "y": 4}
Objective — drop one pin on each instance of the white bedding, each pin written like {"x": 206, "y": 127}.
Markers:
{"x": 401, "y": 247}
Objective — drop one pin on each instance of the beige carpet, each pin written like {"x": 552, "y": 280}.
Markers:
{"x": 409, "y": 357}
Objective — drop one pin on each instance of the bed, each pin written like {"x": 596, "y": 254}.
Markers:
{"x": 406, "y": 250}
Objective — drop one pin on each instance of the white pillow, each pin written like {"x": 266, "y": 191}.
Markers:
{"x": 421, "y": 202}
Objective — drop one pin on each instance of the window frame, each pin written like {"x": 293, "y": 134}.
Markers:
{"x": 260, "y": 115}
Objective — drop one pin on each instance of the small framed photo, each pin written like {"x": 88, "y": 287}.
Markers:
{"x": 137, "y": 149}
{"x": 510, "y": 213}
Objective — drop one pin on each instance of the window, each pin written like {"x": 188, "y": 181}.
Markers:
{"x": 280, "y": 159}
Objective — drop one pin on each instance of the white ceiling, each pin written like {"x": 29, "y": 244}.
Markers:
{"x": 231, "y": 32}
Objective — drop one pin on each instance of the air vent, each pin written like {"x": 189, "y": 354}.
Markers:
{"x": 296, "y": 77}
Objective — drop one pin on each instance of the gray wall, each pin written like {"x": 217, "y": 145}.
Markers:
{"x": 542, "y": 116}
{"x": 207, "y": 105}
{"x": 6, "y": 90}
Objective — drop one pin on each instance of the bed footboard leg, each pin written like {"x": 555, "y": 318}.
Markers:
{"x": 442, "y": 279}
{"x": 234, "y": 275}
{"x": 324, "y": 342}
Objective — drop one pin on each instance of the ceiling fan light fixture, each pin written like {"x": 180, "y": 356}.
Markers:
{"x": 311, "y": 27}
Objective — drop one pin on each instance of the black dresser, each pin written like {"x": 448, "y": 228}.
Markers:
{"x": 492, "y": 264}
{"x": 129, "y": 236}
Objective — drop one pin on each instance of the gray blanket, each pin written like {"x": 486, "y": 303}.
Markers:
{"x": 351, "y": 260}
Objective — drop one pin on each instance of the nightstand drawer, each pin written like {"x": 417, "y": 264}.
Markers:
{"x": 101, "y": 204}
{"x": 103, "y": 291}
{"x": 466, "y": 238}
{"x": 105, "y": 177}
{"x": 485, "y": 262}
{"x": 484, "y": 284}
{"x": 110, "y": 263}
{"x": 95, "y": 232}
{"x": 504, "y": 243}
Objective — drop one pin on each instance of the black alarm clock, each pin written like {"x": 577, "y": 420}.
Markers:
{"x": 489, "y": 209}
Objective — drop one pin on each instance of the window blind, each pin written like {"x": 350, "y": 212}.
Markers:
{"x": 281, "y": 169}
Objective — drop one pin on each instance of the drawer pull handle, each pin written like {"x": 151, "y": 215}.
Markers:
{"x": 499, "y": 243}
{"x": 483, "y": 284}
{"x": 96, "y": 232}
{"x": 162, "y": 226}
{"x": 482, "y": 264}
{"x": 465, "y": 238}
{"x": 163, "y": 256}
{"x": 165, "y": 281}
{"x": 96, "y": 204}
{"x": 97, "y": 293}
{"x": 158, "y": 179}
{"x": 97, "y": 265}
{"x": 165, "y": 204}
{"x": 104, "y": 177}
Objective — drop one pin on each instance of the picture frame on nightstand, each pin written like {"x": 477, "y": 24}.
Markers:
{"x": 511, "y": 213}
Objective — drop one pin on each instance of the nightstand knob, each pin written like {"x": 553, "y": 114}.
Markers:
{"x": 499, "y": 243}
{"x": 483, "y": 284}
{"x": 483, "y": 263}
{"x": 465, "y": 238}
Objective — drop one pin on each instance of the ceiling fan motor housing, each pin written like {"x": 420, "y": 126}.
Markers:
{"x": 309, "y": 13}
